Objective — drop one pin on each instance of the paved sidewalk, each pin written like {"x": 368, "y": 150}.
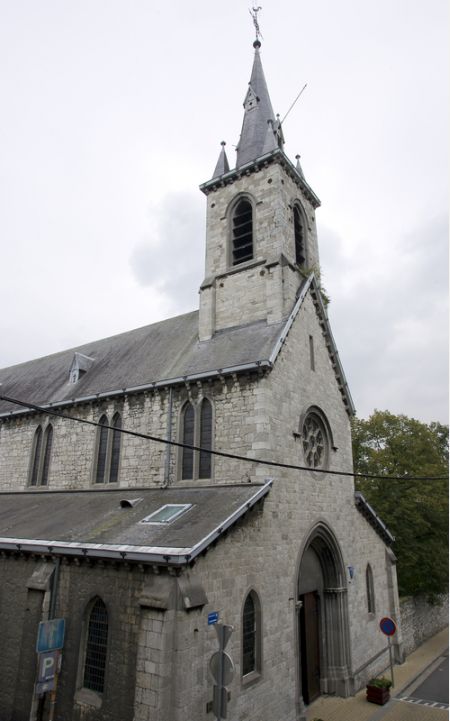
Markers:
{"x": 357, "y": 708}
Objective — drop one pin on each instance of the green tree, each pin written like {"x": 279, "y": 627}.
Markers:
{"x": 416, "y": 512}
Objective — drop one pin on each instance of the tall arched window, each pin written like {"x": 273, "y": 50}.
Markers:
{"x": 370, "y": 589}
{"x": 48, "y": 442}
{"x": 299, "y": 236}
{"x": 242, "y": 232}
{"x": 115, "y": 448}
{"x": 251, "y": 635}
{"x": 96, "y": 647}
{"x": 188, "y": 438}
{"x": 108, "y": 450}
{"x": 41, "y": 454}
{"x": 36, "y": 456}
{"x": 196, "y": 430}
{"x": 102, "y": 449}
{"x": 204, "y": 465}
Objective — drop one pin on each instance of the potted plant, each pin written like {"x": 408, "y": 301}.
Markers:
{"x": 377, "y": 690}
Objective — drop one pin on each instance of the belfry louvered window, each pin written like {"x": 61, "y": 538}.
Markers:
{"x": 41, "y": 456}
{"x": 96, "y": 647}
{"x": 242, "y": 231}
{"x": 197, "y": 430}
{"x": 299, "y": 236}
{"x": 108, "y": 450}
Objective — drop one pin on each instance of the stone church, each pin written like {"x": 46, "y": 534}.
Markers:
{"x": 198, "y": 465}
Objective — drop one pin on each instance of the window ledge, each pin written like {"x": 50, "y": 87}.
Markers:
{"x": 241, "y": 266}
{"x": 251, "y": 678}
{"x": 87, "y": 697}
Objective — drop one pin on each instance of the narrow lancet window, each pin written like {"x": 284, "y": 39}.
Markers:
{"x": 96, "y": 647}
{"x": 300, "y": 256}
{"x": 36, "y": 456}
{"x": 41, "y": 455}
{"x": 370, "y": 589}
{"x": 102, "y": 449}
{"x": 48, "y": 441}
{"x": 204, "y": 466}
{"x": 242, "y": 229}
{"x": 187, "y": 472}
{"x": 115, "y": 449}
{"x": 251, "y": 635}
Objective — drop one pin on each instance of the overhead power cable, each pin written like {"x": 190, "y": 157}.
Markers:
{"x": 222, "y": 454}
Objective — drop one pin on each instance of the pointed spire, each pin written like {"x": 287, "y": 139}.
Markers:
{"x": 222, "y": 165}
{"x": 257, "y": 112}
{"x": 298, "y": 167}
{"x": 270, "y": 142}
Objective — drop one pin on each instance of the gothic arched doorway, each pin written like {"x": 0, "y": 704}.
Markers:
{"x": 324, "y": 650}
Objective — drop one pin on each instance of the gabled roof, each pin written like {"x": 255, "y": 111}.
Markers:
{"x": 159, "y": 355}
{"x": 373, "y": 519}
{"x": 94, "y": 524}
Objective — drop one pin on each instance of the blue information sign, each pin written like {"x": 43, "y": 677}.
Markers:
{"x": 213, "y": 617}
{"x": 387, "y": 626}
{"x": 50, "y": 635}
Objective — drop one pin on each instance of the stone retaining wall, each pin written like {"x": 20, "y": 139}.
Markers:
{"x": 421, "y": 620}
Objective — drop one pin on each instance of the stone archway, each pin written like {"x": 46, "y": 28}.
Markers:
{"x": 323, "y": 630}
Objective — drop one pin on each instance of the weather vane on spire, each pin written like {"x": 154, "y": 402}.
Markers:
{"x": 254, "y": 13}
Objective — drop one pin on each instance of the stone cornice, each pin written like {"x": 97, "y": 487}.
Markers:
{"x": 275, "y": 156}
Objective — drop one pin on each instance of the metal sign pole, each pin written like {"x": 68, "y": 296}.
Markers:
{"x": 220, "y": 684}
{"x": 391, "y": 660}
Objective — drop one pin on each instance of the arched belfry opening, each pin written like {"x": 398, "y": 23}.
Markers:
{"x": 323, "y": 633}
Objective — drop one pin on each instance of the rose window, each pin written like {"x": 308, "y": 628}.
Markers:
{"x": 314, "y": 442}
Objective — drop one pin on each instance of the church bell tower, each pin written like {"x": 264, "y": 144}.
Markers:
{"x": 261, "y": 237}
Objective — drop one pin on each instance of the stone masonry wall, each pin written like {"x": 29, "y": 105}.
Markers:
{"x": 420, "y": 620}
{"x": 264, "y": 551}
{"x": 245, "y": 293}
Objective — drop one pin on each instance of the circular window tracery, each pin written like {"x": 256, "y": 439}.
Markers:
{"x": 315, "y": 443}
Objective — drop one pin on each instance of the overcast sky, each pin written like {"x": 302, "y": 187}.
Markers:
{"x": 112, "y": 113}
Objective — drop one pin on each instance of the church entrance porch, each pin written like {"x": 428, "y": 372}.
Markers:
{"x": 323, "y": 633}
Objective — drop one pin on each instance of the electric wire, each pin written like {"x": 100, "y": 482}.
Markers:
{"x": 223, "y": 454}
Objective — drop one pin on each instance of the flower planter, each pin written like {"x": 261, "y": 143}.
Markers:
{"x": 377, "y": 695}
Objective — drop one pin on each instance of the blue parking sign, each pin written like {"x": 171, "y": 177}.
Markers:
{"x": 50, "y": 635}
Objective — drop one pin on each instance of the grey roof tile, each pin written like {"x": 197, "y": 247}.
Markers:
{"x": 159, "y": 352}
{"x": 96, "y": 517}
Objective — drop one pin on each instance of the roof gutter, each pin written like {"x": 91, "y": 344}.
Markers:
{"x": 166, "y": 556}
{"x": 181, "y": 380}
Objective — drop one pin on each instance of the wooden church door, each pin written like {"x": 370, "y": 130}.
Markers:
{"x": 310, "y": 646}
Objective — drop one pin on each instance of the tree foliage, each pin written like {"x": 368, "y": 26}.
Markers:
{"x": 416, "y": 512}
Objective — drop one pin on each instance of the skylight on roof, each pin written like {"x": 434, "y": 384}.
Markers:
{"x": 167, "y": 513}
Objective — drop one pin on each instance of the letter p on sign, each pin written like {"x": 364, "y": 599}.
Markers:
{"x": 48, "y": 665}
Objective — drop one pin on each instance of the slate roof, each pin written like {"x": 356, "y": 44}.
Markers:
{"x": 92, "y": 523}
{"x": 258, "y": 111}
{"x": 161, "y": 353}
{"x": 158, "y": 355}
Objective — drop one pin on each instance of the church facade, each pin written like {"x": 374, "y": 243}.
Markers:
{"x": 198, "y": 465}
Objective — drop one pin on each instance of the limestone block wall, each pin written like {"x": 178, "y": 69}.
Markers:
{"x": 239, "y": 426}
{"x": 420, "y": 619}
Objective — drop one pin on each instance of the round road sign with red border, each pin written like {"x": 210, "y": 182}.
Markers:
{"x": 388, "y": 626}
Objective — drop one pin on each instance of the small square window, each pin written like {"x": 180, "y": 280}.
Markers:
{"x": 167, "y": 513}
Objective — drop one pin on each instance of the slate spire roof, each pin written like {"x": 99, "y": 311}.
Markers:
{"x": 222, "y": 165}
{"x": 261, "y": 131}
